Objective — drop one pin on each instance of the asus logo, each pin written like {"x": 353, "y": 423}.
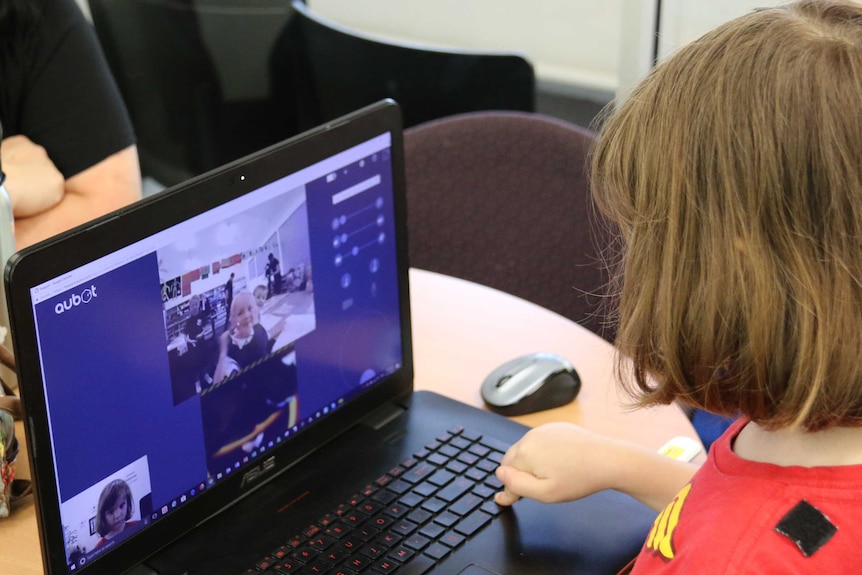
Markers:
{"x": 256, "y": 473}
{"x": 75, "y": 300}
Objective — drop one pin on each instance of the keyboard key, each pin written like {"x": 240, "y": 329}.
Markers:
{"x": 354, "y": 517}
{"x": 316, "y": 567}
{"x": 452, "y": 539}
{"x": 466, "y": 504}
{"x": 444, "y": 437}
{"x": 437, "y": 551}
{"x": 357, "y": 562}
{"x": 425, "y": 489}
{"x": 477, "y": 474}
{"x": 494, "y": 483}
{"x": 416, "y": 542}
{"x": 484, "y": 491}
{"x": 446, "y": 519}
{"x": 369, "y": 507}
{"x": 396, "y": 510}
{"x": 401, "y": 554}
{"x": 418, "y": 566}
{"x": 438, "y": 459}
{"x": 388, "y": 539}
{"x": 365, "y": 532}
{"x": 468, "y": 458}
{"x": 351, "y": 544}
{"x": 399, "y": 487}
{"x": 322, "y": 542}
{"x": 495, "y": 456}
{"x": 492, "y": 508}
{"x": 449, "y": 451}
{"x": 328, "y": 519}
{"x": 411, "y": 499}
{"x": 495, "y": 444}
{"x": 473, "y": 523}
{"x": 456, "y": 467}
{"x": 471, "y": 435}
{"x": 373, "y": 550}
{"x": 338, "y": 530}
{"x": 380, "y": 522}
{"x": 455, "y": 489}
{"x": 304, "y": 554}
{"x": 384, "y": 566}
{"x": 403, "y": 527}
{"x": 287, "y": 566}
{"x": 461, "y": 443}
{"x": 432, "y": 530}
{"x": 265, "y": 563}
{"x": 441, "y": 477}
{"x": 334, "y": 555}
{"x": 383, "y": 480}
{"x": 384, "y": 497}
{"x": 419, "y": 472}
{"x": 434, "y": 505}
{"x": 419, "y": 516}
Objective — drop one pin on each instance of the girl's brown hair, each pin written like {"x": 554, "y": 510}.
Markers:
{"x": 116, "y": 490}
{"x": 734, "y": 174}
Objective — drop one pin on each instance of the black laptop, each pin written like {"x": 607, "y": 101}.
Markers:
{"x": 218, "y": 380}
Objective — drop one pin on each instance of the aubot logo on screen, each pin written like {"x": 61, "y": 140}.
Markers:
{"x": 76, "y": 299}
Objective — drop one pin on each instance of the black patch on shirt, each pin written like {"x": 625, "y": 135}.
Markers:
{"x": 807, "y": 527}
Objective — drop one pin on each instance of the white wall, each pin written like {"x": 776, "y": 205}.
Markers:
{"x": 575, "y": 45}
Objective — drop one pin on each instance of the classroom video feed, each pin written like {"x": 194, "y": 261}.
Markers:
{"x": 236, "y": 293}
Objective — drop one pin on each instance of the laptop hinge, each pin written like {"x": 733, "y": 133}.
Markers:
{"x": 383, "y": 415}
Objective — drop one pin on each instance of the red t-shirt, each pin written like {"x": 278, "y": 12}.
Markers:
{"x": 738, "y": 516}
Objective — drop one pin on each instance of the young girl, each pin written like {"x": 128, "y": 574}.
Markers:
{"x": 244, "y": 341}
{"x": 115, "y": 510}
{"x": 734, "y": 174}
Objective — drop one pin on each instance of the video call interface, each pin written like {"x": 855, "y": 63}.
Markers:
{"x": 172, "y": 363}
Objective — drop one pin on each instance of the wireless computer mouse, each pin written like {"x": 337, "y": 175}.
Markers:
{"x": 529, "y": 383}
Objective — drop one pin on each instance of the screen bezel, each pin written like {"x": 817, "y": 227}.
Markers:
{"x": 76, "y": 247}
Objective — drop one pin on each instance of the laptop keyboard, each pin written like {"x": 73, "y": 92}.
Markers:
{"x": 407, "y": 520}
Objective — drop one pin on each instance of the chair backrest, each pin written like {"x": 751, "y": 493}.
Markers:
{"x": 347, "y": 69}
{"x": 194, "y": 75}
{"x": 502, "y": 199}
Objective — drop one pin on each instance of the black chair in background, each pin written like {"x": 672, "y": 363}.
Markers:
{"x": 195, "y": 77}
{"x": 502, "y": 199}
{"x": 345, "y": 70}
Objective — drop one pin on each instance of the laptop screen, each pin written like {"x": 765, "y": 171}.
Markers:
{"x": 174, "y": 362}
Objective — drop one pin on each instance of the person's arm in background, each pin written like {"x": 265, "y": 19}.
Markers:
{"x": 64, "y": 114}
{"x": 45, "y": 204}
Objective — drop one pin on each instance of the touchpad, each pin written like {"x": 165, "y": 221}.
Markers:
{"x": 476, "y": 570}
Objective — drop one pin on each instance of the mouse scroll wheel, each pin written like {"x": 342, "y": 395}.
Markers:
{"x": 503, "y": 380}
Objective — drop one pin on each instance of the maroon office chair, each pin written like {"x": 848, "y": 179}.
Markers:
{"x": 502, "y": 199}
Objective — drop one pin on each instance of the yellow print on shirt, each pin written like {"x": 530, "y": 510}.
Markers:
{"x": 660, "y": 540}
